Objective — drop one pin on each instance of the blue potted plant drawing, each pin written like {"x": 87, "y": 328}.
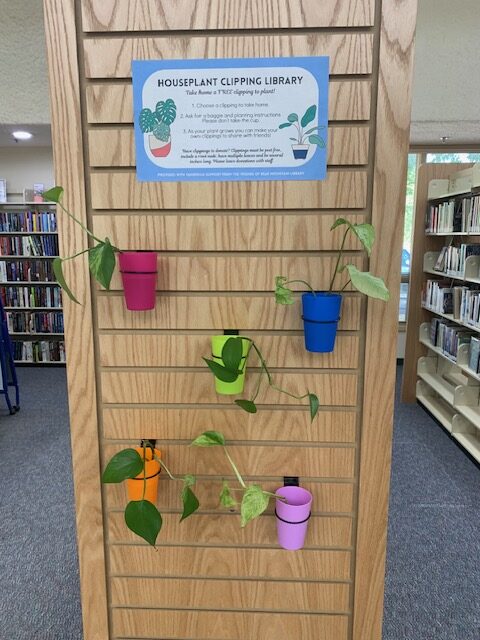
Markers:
{"x": 157, "y": 123}
{"x": 304, "y": 138}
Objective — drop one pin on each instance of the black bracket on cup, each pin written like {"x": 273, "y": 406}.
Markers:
{"x": 291, "y": 481}
{"x": 231, "y": 332}
{"x": 148, "y": 442}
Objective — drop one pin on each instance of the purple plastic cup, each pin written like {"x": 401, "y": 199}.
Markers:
{"x": 139, "y": 278}
{"x": 293, "y": 516}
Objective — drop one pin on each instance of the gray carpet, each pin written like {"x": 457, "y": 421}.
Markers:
{"x": 433, "y": 574}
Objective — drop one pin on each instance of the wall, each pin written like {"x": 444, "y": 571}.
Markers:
{"x": 23, "y": 166}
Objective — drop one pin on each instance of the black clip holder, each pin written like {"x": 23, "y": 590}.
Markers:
{"x": 291, "y": 481}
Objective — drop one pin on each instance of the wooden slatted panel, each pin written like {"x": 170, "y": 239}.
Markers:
{"x": 178, "y": 593}
{"x": 349, "y": 53}
{"x": 217, "y": 312}
{"x": 227, "y": 626}
{"x": 108, "y": 103}
{"x": 144, "y": 15}
{"x": 116, "y": 147}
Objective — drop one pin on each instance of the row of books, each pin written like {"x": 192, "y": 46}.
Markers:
{"x": 39, "y": 351}
{"x": 438, "y": 296}
{"x": 29, "y": 246}
{"x": 463, "y": 303}
{"x": 470, "y": 307}
{"x": 453, "y": 258}
{"x": 42, "y": 221}
{"x": 454, "y": 216}
{"x": 35, "y": 322}
{"x": 448, "y": 337}
{"x": 26, "y": 271}
{"x": 17, "y": 296}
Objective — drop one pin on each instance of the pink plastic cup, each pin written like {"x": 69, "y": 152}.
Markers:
{"x": 139, "y": 277}
{"x": 293, "y": 516}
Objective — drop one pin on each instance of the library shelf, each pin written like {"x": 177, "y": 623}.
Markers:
{"x": 452, "y": 233}
{"x": 27, "y": 203}
{"x": 33, "y": 308}
{"x": 440, "y": 409}
{"x": 462, "y": 358}
{"x": 28, "y": 283}
{"x": 33, "y": 335}
{"x": 449, "y": 316}
{"x": 470, "y": 442}
{"x": 22, "y": 257}
{"x": 41, "y": 362}
{"x": 28, "y": 233}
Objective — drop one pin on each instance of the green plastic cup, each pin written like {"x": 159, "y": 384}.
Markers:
{"x": 229, "y": 388}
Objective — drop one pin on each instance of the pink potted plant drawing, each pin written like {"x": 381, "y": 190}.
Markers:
{"x": 157, "y": 124}
{"x": 304, "y": 138}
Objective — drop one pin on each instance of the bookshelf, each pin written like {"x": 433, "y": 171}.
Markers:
{"x": 441, "y": 368}
{"x": 31, "y": 297}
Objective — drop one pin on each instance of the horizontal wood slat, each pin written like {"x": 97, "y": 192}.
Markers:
{"x": 224, "y": 530}
{"x": 328, "y": 497}
{"x": 228, "y": 232}
{"x": 235, "y": 424}
{"x": 256, "y": 460}
{"x": 342, "y": 189}
{"x": 112, "y": 103}
{"x": 142, "y": 560}
{"x": 216, "y": 312}
{"x": 116, "y": 147}
{"x": 349, "y": 53}
{"x": 144, "y": 15}
{"x": 146, "y": 623}
{"x": 334, "y": 389}
{"x": 177, "y": 593}
{"x": 149, "y": 350}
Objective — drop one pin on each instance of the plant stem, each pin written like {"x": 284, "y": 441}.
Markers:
{"x": 345, "y": 285}
{"x": 302, "y": 282}
{"x": 270, "y": 379}
{"x": 164, "y": 466}
{"x": 87, "y": 231}
{"x": 339, "y": 258}
{"x": 144, "y": 470}
{"x": 236, "y": 471}
{"x": 75, "y": 255}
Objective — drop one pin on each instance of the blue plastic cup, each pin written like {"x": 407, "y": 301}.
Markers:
{"x": 321, "y": 313}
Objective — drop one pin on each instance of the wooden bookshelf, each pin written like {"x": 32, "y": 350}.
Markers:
{"x": 442, "y": 383}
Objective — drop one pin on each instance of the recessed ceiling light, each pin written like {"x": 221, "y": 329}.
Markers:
{"x": 445, "y": 138}
{"x": 22, "y": 135}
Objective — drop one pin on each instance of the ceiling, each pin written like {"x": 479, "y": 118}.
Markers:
{"x": 446, "y": 97}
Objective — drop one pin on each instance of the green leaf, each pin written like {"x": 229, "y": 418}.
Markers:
{"x": 314, "y": 405}
{"x": 309, "y": 115}
{"x": 209, "y": 439}
{"x": 368, "y": 284}
{"x": 338, "y": 222}
{"x": 283, "y": 295}
{"x": 366, "y": 234}
{"x": 292, "y": 117}
{"x": 226, "y": 498}
{"x": 162, "y": 131}
{"x": 60, "y": 278}
{"x": 221, "y": 372}
{"x": 284, "y": 125}
{"x": 254, "y": 503}
{"x": 125, "y": 464}
{"x": 143, "y": 518}
{"x": 294, "y": 139}
{"x": 166, "y": 111}
{"x": 311, "y": 130}
{"x": 232, "y": 354}
{"x": 101, "y": 260}
{"x": 147, "y": 120}
{"x": 314, "y": 139}
{"x": 190, "y": 502}
{"x": 247, "y": 405}
{"x": 54, "y": 194}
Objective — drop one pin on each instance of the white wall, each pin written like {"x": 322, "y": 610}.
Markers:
{"x": 22, "y": 166}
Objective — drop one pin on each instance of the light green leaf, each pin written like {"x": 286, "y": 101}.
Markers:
{"x": 366, "y": 234}
{"x": 60, "y": 278}
{"x": 161, "y": 131}
{"x": 101, "y": 261}
{"x": 226, "y": 498}
{"x": 314, "y": 405}
{"x": 147, "y": 120}
{"x": 283, "y": 295}
{"x": 309, "y": 115}
{"x": 144, "y": 519}
{"x": 221, "y": 372}
{"x": 314, "y": 139}
{"x": 254, "y": 503}
{"x": 166, "y": 111}
{"x": 284, "y": 125}
{"x": 190, "y": 502}
{"x": 209, "y": 439}
{"x": 53, "y": 195}
{"x": 311, "y": 130}
{"x": 247, "y": 405}
{"x": 338, "y": 222}
{"x": 125, "y": 464}
{"x": 232, "y": 354}
{"x": 292, "y": 117}
{"x": 368, "y": 284}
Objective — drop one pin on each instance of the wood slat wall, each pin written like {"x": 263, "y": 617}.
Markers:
{"x": 140, "y": 375}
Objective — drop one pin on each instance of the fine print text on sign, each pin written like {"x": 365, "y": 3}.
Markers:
{"x": 231, "y": 119}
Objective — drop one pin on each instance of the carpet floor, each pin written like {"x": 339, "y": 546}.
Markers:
{"x": 433, "y": 574}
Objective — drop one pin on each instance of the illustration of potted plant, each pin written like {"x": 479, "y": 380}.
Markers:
{"x": 157, "y": 123}
{"x": 301, "y": 146}
{"x": 138, "y": 268}
{"x": 292, "y": 512}
{"x": 231, "y": 365}
{"x": 321, "y": 309}
{"x": 141, "y": 467}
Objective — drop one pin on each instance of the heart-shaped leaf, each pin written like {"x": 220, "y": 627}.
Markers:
{"x": 124, "y": 464}
{"x": 60, "y": 278}
{"x": 254, "y": 503}
{"x": 309, "y": 115}
{"x": 292, "y": 117}
{"x": 366, "y": 234}
{"x": 143, "y": 518}
{"x": 368, "y": 284}
{"x": 221, "y": 372}
{"x": 101, "y": 261}
{"x": 314, "y": 405}
{"x": 338, "y": 222}
{"x": 247, "y": 405}
{"x": 314, "y": 139}
{"x": 147, "y": 120}
{"x": 226, "y": 498}
{"x": 232, "y": 354}
{"x": 209, "y": 439}
{"x": 53, "y": 195}
{"x": 284, "y": 125}
{"x": 283, "y": 295}
{"x": 166, "y": 111}
{"x": 189, "y": 499}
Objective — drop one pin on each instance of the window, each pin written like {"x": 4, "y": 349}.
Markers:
{"x": 407, "y": 235}
{"x": 453, "y": 157}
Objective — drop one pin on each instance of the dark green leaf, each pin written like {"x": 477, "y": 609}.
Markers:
{"x": 101, "y": 260}
{"x": 232, "y": 354}
{"x": 247, "y": 405}
{"x": 125, "y": 464}
{"x": 309, "y": 115}
{"x": 254, "y": 503}
{"x": 368, "y": 284}
{"x": 161, "y": 131}
{"x": 226, "y": 498}
{"x": 60, "y": 278}
{"x": 190, "y": 502}
{"x": 147, "y": 120}
{"x": 284, "y": 125}
{"x": 221, "y": 372}
{"x": 283, "y": 295}
{"x": 53, "y": 195}
{"x": 209, "y": 439}
{"x": 143, "y": 518}
{"x": 314, "y": 405}
{"x": 314, "y": 139}
{"x": 366, "y": 234}
{"x": 292, "y": 117}
{"x": 166, "y": 111}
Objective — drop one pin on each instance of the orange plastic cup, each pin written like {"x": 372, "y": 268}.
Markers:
{"x": 152, "y": 472}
